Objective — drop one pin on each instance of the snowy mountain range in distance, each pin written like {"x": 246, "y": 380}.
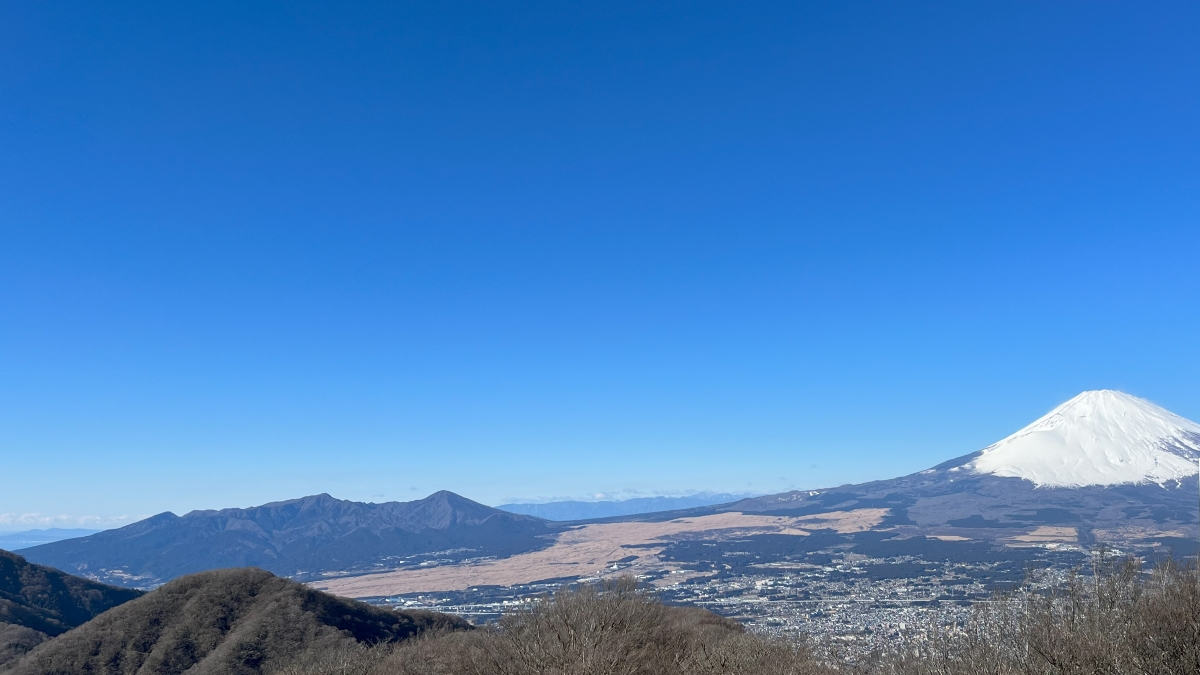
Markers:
{"x": 581, "y": 510}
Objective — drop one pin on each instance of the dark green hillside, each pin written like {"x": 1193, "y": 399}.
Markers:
{"x": 236, "y": 621}
{"x": 299, "y": 538}
{"x": 40, "y": 602}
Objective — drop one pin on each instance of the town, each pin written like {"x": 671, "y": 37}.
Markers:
{"x": 843, "y": 601}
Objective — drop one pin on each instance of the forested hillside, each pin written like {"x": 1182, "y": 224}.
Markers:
{"x": 237, "y": 621}
{"x": 37, "y": 603}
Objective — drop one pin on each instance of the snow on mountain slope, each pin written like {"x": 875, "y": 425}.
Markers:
{"x": 1097, "y": 438}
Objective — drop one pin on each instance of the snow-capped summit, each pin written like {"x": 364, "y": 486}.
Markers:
{"x": 1097, "y": 438}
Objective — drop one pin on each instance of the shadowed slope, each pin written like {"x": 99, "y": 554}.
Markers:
{"x": 238, "y": 621}
{"x": 38, "y": 602}
{"x": 49, "y": 601}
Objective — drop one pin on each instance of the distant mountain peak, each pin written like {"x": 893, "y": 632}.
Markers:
{"x": 449, "y": 497}
{"x": 296, "y": 537}
{"x": 1099, "y": 437}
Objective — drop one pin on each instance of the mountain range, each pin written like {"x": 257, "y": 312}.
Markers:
{"x": 300, "y": 538}
{"x": 1103, "y": 467}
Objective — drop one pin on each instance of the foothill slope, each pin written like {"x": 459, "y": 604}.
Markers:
{"x": 234, "y": 621}
{"x": 38, "y": 603}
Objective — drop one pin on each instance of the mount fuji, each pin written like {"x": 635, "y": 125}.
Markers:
{"x": 1097, "y": 438}
{"x": 1104, "y": 467}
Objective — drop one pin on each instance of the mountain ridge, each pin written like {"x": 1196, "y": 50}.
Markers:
{"x": 294, "y": 538}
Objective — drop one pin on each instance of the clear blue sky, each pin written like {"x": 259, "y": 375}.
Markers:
{"x": 252, "y": 251}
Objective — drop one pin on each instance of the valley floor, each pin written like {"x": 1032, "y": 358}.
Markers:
{"x": 845, "y": 601}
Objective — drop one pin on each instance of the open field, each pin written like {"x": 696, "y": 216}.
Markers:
{"x": 1049, "y": 534}
{"x": 594, "y": 550}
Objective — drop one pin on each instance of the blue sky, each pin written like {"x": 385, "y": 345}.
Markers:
{"x": 253, "y": 251}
